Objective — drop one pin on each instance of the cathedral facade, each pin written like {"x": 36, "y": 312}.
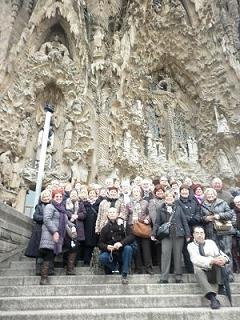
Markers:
{"x": 138, "y": 87}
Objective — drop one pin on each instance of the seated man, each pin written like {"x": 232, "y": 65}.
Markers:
{"x": 115, "y": 245}
{"x": 207, "y": 260}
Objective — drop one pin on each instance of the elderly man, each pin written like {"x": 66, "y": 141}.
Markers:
{"x": 115, "y": 245}
{"x": 222, "y": 194}
{"x": 207, "y": 260}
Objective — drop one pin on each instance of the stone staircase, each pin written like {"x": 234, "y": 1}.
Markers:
{"x": 94, "y": 297}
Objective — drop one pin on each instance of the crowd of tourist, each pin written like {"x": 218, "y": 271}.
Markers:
{"x": 73, "y": 219}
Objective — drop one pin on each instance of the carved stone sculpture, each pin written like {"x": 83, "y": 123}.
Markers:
{"x": 222, "y": 125}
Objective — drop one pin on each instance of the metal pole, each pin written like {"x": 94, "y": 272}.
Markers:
{"x": 49, "y": 111}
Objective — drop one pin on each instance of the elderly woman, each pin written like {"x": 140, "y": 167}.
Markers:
{"x": 173, "y": 244}
{"x": 214, "y": 210}
{"x": 55, "y": 220}
{"x": 198, "y": 192}
{"x": 32, "y": 250}
{"x": 236, "y": 237}
{"x": 91, "y": 206}
{"x": 137, "y": 210}
{"x": 76, "y": 214}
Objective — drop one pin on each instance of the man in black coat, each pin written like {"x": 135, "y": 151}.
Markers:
{"x": 192, "y": 211}
{"x": 115, "y": 245}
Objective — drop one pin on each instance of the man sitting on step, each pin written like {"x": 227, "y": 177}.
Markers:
{"x": 115, "y": 244}
{"x": 207, "y": 260}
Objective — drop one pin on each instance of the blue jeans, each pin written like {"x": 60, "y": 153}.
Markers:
{"x": 124, "y": 260}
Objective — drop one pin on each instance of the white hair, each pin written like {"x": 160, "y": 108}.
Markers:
{"x": 210, "y": 190}
{"x": 236, "y": 199}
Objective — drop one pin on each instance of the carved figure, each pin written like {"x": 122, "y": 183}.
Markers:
{"x": 151, "y": 146}
{"x": 15, "y": 178}
{"x": 68, "y": 136}
{"x": 55, "y": 50}
{"x": 237, "y": 154}
{"x": 222, "y": 125}
{"x": 127, "y": 140}
{"x": 6, "y": 168}
{"x": 50, "y": 143}
{"x": 98, "y": 40}
{"x": 223, "y": 163}
{"x": 182, "y": 153}
{"x": 192, "y": 149}
{"x": 23, "y": 135}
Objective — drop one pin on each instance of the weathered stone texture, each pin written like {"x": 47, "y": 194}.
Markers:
{"x": 139, "y": 87}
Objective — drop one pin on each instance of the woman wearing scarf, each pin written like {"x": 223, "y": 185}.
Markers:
{"x": 137, "y": 209}
{"x": 174, "y": 242}
{"x": 198, "y": 193}
{"x": 76, "y": 214}
{"x": 53, "y": 232}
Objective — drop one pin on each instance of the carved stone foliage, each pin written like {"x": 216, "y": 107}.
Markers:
{"x": 141, "y": 87}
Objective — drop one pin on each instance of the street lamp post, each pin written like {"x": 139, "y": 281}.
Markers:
{"x": 49, "y": 111}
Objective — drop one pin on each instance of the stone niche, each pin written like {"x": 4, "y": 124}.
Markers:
{"x": 138, "y": 87}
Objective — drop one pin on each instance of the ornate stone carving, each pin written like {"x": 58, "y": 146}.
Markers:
{"x": 131, "y": 84}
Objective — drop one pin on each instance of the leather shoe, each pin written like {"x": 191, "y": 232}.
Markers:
{"x": 163, "y": 281}
{"x": 179, "y": 281}
{"x": 215, "y": 304}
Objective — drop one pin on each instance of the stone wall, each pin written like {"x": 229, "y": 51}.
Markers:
{"x": 15, "y": 231}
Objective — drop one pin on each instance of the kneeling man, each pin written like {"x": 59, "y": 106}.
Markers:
{"x": 115, "y": 245}
{"x": 207, "y": 260}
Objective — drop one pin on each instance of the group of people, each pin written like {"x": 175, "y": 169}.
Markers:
{"x": 73, "y": 219}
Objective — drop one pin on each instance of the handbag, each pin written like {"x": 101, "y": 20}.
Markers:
{"x": 141, "y": 229}
{"x": 71, "y": 232}
{"x": 163, "y": 230}
{"x": 220, "y": 225}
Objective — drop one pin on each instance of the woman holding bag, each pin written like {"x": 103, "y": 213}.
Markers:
{"x": 137, "y": 211}
{"x": 174, "y": 242}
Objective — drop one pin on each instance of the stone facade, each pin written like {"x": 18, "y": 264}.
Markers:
{"x": 139, "y": 87}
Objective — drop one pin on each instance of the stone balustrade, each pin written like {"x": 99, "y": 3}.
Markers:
{"x": 15, "y": 231}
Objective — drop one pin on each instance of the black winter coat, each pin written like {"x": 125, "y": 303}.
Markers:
{"x": 32, "y": 250}
{"x": 191, "y": 209}
{"x": 112, "y": 233}
{"x": 91, "y": 238}
{"x": 179, "y": 225}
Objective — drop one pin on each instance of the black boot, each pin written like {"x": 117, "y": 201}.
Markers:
{"x": 71, "y": 263}
{"x": 214, "y": 302}
{"x": 44, "y": 273}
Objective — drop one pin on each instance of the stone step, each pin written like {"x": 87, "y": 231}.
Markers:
{"x": 204, "y": 313}
{"x": 103, "y": 302}
{"x": 88, "y": 279}
{"x": 92, "y": 279}
{"x": 104, "y": 289}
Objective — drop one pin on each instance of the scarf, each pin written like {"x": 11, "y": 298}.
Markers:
{"x": 199, "y": 198}
{"x": 112, "y": 201}
{"x": 62, "y": 225}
